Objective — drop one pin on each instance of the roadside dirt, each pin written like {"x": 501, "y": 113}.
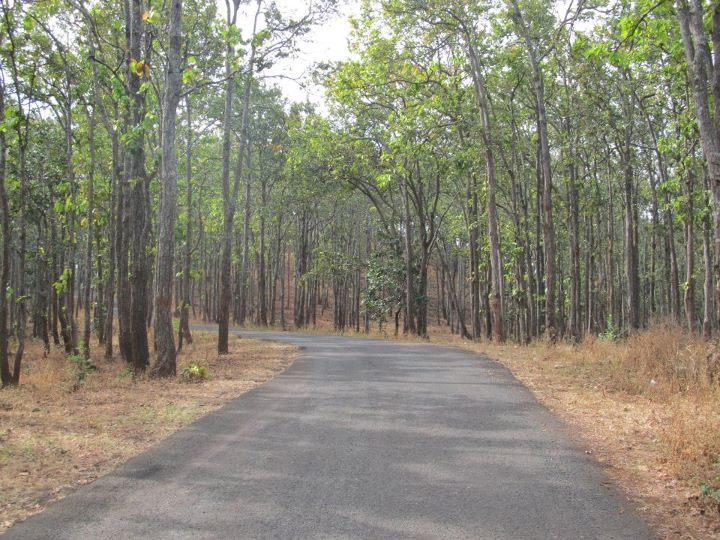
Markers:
{"x": 54, "y": 438}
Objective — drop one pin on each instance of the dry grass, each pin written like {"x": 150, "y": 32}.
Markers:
{"x": 53, "y": 438}
{"x": 647, "y": 406}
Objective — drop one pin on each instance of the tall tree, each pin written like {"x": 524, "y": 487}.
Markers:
{"x": 164, "y": 340}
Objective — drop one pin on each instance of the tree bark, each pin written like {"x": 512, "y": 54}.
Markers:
{"x": 165, "y": 365}
{"x": 184, "y": 330}
{"x": 136, "y": 182}
{"x": 88, "y": 246}
{"x": 498, "y": 331}
{"x": 697, "y": 53}
{"x": 5, "y": 374}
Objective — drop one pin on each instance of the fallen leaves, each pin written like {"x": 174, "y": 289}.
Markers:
{"x": 53, "y": 440}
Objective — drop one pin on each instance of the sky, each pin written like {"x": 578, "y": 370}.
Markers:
{"x": 324, "y": 43}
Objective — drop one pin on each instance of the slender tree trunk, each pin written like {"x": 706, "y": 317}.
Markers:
{"x": 493, "y": 228}
{"x": 21, "y": 307}
{"x": 707, "y": 260}
{"x": 228, "y": 209}
{"x": 631, "y": 248}
{"x": 230, "y": 197}
{"x": 409, "y": 288}
{"x": 692, "y": 30}
{"x": 574, "y": 220}
{"x": 262, "y": 292}
{"x": 165, "y": 366}
{"x": 245, "y": 259}
{"x": 88, "y": 247}
{"x": 184, "y": 330}
{"x": 136, "y": 181}
{"x": 112, "y": 258}
{"x": 689, "y": 297}
{"x": 545, "y": 160}
{"x": 5, "y": 374}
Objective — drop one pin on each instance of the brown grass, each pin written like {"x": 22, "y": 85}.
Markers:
{"x": 53, "y": 438}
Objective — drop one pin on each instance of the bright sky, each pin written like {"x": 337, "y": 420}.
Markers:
{"x": 326, "y": 43}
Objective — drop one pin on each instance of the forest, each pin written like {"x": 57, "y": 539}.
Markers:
{"x": 511, "y": 170}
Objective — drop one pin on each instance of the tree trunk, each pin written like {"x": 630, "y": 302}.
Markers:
{"x": 184, "y": 329}
{"x": 496, "y": 270}
{"x": 165, "y": 366}
{"x": 136, "y": 181}
{"x": 548, "y": 226}
{"x": 409, "y": 288}
{"x": 697, "y": 53}
{"x": 689, "y": 297}
{"x": 88, "y": 247}
{"x": 5, "y": 374}
{"x": 230, "y": 197}
{"x": 631, "y": 248}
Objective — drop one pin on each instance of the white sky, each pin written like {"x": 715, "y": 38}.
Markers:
{"x": 325, "y": 43}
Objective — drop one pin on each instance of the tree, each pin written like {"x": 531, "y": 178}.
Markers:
{"x": 164, "y": 340}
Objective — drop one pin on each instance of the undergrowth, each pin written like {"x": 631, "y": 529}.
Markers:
{"x": 673, "y": 371}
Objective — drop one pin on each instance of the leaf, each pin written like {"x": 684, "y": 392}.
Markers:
{"x": 261, "y": 37}
{"x": 151, "y": 17}
{"x": 383, "y": 180}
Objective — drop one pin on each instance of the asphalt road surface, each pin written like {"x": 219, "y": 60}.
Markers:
{"x": 359, "y": 439}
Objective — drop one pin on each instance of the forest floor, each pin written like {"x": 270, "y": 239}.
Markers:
{"x": 56, "y": 435}
{"x": 647, "y": 407}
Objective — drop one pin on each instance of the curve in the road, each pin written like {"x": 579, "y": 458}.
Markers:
{"x": 359, "y": 439}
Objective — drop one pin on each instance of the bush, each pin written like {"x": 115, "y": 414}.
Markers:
{"x": 611, "y": 333}
{"x": 126, "y": 373}
{"x": 82, "y": 368}
{"x": 194, "y": 372}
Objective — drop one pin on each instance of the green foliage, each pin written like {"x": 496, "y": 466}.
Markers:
{"x": 385, "y": 281}
{"x": 61, "y": 284}
{"x": 194, "y": 372}
{"x": 82, "y": 367}
{"x": 710, "y": 490}
{"x": 126, "y": 373}
{"x": 612, "y": 332}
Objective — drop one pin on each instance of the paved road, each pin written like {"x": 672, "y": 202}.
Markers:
{"x": 358, "y": 439}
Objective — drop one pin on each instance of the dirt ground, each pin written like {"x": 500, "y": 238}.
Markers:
{"x": 54, "y": 438}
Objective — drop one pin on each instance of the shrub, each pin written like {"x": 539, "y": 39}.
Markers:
{"x": 81, "y": 369}
{"x": 126, "y": 373}
{"x": 195, "y": 372}
{"x": 612, "y": 333}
